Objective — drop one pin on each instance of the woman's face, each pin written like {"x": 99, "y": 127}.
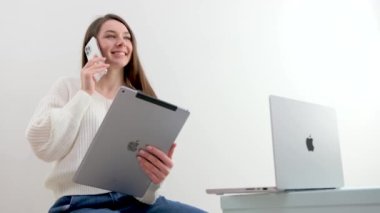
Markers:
{"x": 115, "y": 43}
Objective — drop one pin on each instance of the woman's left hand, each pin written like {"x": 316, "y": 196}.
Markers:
{"x": 155, "y": 163}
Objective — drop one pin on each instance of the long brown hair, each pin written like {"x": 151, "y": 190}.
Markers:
{"x": 134, "y": 75}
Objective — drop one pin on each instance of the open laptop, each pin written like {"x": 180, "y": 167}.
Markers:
{"x": 133, "y": 121}
{"x": 305, "y": 147}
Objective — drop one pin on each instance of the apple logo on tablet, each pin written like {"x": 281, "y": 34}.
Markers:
{"x": 133, "y": 145}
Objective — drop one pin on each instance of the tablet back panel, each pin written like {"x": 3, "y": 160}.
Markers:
{"x": 133, "y": 121}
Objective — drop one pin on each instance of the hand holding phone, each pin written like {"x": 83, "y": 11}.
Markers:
{"x": 91, "y": 50}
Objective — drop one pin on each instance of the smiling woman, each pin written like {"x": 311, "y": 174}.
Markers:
{"x": 221, "y": 59}
{"x": 118, "y": 46}
{"x": 66, "y": 120}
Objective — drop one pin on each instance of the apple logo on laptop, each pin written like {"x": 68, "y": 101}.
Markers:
{"x": 133, "y": 145}
{"x": 309, "y": 144}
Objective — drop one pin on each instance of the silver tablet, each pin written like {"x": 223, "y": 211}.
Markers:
{"x": 133, "y": 121}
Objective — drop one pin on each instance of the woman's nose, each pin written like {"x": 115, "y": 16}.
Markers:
{"x": 121, "y": 42}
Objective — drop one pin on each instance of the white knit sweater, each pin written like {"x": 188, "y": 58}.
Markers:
{"x": 61, "y": 131}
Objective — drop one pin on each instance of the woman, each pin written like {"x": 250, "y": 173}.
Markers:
{"x": 66, "y": 120}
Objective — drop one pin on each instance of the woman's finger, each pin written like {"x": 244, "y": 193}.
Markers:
{"x": 158, "y": 165}
{"x": 163, "y": 157}
{"x": 151, "y": 171}
{"x": 171, "y": 150}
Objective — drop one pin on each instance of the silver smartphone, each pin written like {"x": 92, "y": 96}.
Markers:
{"x": 91, "y": 50}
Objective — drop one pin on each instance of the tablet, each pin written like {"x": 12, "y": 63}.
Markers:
{"x": 133, "y": 121}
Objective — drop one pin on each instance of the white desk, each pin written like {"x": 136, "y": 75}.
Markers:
{"x": 322, "y": 201}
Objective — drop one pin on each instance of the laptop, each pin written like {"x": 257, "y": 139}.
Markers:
{"x": 306, "y": 148}
{"x": 133, "y": 121}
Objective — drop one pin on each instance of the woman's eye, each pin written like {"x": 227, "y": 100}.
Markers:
{"x": 127, "y": 38}
{"x": 110, "y": 36}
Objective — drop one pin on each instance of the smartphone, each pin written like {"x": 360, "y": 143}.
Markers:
{"x": 91, "y": 50}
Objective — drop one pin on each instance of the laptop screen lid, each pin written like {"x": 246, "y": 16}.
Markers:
{"x": 305, "y": 148}
{"x": 305, "y": 145}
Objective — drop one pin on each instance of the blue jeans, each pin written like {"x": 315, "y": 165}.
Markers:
{"x": 116, "y": 202}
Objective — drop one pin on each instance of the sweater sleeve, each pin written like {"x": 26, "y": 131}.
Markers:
{"x": 56, "y": 121}
{"x": 150, "y": 195}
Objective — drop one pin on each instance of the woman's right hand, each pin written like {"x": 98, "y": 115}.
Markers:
{"x": 95, "y": 65}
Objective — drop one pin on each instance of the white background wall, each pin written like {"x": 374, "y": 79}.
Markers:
{"x": 218, "y": 58}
